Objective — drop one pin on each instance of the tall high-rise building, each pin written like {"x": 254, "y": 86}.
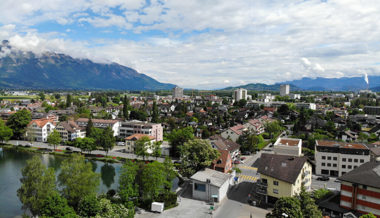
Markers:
{"x": 284, "y": 89}
{"x": 240, "y": 94}
{"x": 177, "y": 92}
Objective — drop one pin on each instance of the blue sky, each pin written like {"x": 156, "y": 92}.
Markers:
{"x": 205, "y": 43}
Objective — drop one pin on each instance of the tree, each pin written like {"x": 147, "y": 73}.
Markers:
{"x": 156, "y": 149}
{"x": 89, "y": 127}
{"x": 242, "y": 103}
{"x": 308, "y": 206}
{"x": 128, "y": 188}
{"x": 107, "y": 140}
{"x": 42, "y": 96}
{"x": 37, "y": 183}
{"x": 141, "y": 146}
{"x": 54, "y": 138}
{"x": 85, "y": 144}
{"x": 155, "y": 114}
{"x": 273, "y": 128}
{"x": 196, "y": 154}
{"x": 56, "y": 206}
{"x": 5, "y": 132}
{"x": 125, "y": 107}
{"x": 77, "y": 179}
{"x": 89, "y": 206}
{"x": 286, "y": 205}
{"x": 178, "y": 137}
{"x": 153, "y": 180}
{"x": 68, "y": 100}
{"x": 169, "y": 173}
{"x": 18, "y": 122}
{"x": 370, "y": 215}
{"x": 110, "y": 210}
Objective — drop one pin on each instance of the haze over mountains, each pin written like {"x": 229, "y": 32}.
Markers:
{"x": 26, "y": 70}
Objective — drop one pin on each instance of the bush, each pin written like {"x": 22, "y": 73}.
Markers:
{"x": 89, "y": 206}
{"x": 266, "y": 135}
{"x": 169, "y": 198}
{"x": 320, "y": 194}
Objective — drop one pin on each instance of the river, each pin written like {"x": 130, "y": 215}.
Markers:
{"x": 11, "y": 163}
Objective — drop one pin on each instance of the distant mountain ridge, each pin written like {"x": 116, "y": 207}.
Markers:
{"x": 318, "y": 84}
{"x": 26, "y": 70}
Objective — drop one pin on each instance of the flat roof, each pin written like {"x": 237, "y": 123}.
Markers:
{"x": 349, "y": 145}
{"x": 289, "y": 142}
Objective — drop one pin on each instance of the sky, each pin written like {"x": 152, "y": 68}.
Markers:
{"x": 205, "y": 44}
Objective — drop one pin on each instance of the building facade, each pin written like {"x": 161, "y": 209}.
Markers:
{"x": 128, "y": 128}
{"x": 360, "y": 189}
{"x": 177, "y": 92}
{"x": 284, "y": 89}
{"x": 39, "y": 130}
{"x": 240, "y": 94}
{"x": 101, "y": 123}
{"x": 335, "y": 158}
{"x": 69, "y": 131}
{"x": 130, "y": 142}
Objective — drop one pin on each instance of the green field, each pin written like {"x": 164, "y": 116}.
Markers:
{"x": 16, "y": 97}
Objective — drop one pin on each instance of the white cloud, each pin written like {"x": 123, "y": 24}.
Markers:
{"x": 249, "y": 41}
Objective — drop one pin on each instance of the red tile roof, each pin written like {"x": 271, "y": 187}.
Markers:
{"x": 135, "y": 137}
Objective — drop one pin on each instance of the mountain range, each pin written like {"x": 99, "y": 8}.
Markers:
{"x": 27, "y": 70}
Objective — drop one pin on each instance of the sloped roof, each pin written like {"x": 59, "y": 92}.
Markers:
{"x": 138, "y": 136}
{"x": 41, "y": 122}
{"x": 98, "y": 120}
{"x": 216, "y": 178}
{"x": 69, "y": 126}
{"x": 282, "y": 167}
{"x": 224, "y": 144}
{"x": 366, "y": 174}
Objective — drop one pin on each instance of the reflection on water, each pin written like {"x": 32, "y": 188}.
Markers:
{"x": 108, "y": 174}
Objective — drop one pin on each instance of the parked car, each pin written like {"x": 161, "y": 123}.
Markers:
{"x": 237, "y": 162}
{"x": 242, "y": 158}
{"x": 247, "y": 153}
{"x": 69, "y": 149}
{"x": 323, "y": 178}
{"x": 337, "y": 180}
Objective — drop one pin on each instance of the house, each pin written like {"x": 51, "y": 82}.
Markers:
{"x": 282, "y": 176}
{"x": 234, "y": 132}
{"x": 128, "y": 128}
{"x": 130, "y": 141}
{"x": 101, "y": 123}
{"x": 40, "y": 129}
{"x": 255, "y": 125}
{"x": 223, "y": 163}
{"x": 336, "y": 158}
{"x": 360, "y": 189}
{"x": 69, "y": 130}
{"x": 210, "y": 185}
{"x": 220, "y": 143}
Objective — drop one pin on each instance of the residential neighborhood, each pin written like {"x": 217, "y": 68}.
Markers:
{"x": 226, "y": 149}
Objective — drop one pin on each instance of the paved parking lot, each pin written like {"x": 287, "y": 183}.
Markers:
{"x": 331, "y": 184}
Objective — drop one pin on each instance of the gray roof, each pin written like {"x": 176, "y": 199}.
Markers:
{"x": 216, "y": 178}
{"x": 282, "y": 167}
{"x": 366, "y": 174}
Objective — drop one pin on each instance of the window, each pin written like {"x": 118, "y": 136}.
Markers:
{"x": 335, "y": 158}
{"x": 344, "y": 159}
{"x": 329, "y": 164}
{"x": 349, "y": 160}
{"x": 323, "y": 164}
{"x": 349, "y": 167}
{"x": 355, "y": 160}
{"x": 364, "y": 187}
{"x": 344, "y": 166}
{"x": 265, "y": 181}
{"x": 275, "y": 191}
{"x": 334, "y": 165}
{"x": 275, "y": 183}
{"x": 329, "y": 158}
{"x": 361, "y": 160}
{"x": 323, "y": 157}
{"x": 200, "y": 187}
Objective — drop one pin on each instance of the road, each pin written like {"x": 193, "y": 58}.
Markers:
{"x": 114, "y": 152}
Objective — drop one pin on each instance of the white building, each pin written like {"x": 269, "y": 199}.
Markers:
{"x": 210, "y": 185}
{"x": 101, "y": 123}
{"x": 295, "y": 96}
{"x": 39, "y": 130}
{"x": 177, "y": 92}
{"x": 240, "y": 94}
{"x": 311, "y": 106}
{"x": 128, "y": 128}
{"x": 130, "y": 142}
{"x": 337, "y": 158}
{"x": 288, "y": 146}
{"x": 284, "y": 89}
{"x": 69, "y": 131}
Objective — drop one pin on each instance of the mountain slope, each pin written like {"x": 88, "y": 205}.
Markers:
{"x": 26, "y": 70}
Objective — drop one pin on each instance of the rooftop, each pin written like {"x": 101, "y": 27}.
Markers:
{"x": 216, "y": 178}
{"x": 288, "y": 142}
{"x": 366, "y": 174}
{"x": 328, "y": 143}
{"x": 135, "y": 137}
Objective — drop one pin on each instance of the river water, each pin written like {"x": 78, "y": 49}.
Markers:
{"x": 11, "y": 163}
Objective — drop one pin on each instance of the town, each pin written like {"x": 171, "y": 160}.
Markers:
{"x": 233, "y": 153}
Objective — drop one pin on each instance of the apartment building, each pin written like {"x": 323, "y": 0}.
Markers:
{"x": 282, "y": 176}
{"x": 360, "y": 189}
{"x": 128, "y": 128}
{"x": 240, "y": 94}
{"x": 177, "y": 92}
{"x": 288, "y": 146}
{"x": 130, "y": 142}
{"x": 234, "y": 132}
{"x": 69, "y": 131}
{"x": 284, "y": 89}
{"x": 337, "y": 158}
{"x": 38, "y": 130}
{"x": 101, "y": 123}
